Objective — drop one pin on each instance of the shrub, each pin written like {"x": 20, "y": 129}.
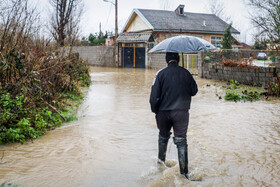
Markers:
{"x": 34, "y": 76}
{"x": 34, "y": 90}
{"x": 274, "y": 87}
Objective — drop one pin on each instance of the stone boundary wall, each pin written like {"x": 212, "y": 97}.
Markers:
{"x": 96, "y": 55}
{"x": 250, "y": 76}
{"x": 103, "y": 56}
{"x": 156, "y": 60}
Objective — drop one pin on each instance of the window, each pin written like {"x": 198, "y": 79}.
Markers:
{"x": 216, "y": 41}
{"x": 128, "y": 45}
{"x": 140, "y": 45}
{"x": 181, "y": 11}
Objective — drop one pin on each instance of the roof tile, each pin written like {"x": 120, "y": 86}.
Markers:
{"x": 163, "y": 20}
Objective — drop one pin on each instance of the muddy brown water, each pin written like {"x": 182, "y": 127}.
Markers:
{"x": 114, "y": 141}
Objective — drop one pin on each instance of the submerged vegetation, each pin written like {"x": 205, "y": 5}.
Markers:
{"x": 237, "y": 92}
{"x": 38, "y": 81}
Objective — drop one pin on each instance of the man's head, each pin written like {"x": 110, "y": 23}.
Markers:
{"x": 172, "y": 56}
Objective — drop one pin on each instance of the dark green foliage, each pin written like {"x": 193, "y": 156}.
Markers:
{"x": 91, "y": 38}
{"x": 94, "y": 39}
{"x": 97, "y": 39}
{"x": 227, "y": 40}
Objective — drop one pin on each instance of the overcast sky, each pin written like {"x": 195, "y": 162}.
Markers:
{"x": 98, "y": 11}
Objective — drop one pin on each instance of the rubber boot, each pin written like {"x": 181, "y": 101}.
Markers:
{"x": 182, "y": 147}
{"x": 162, "y": 147}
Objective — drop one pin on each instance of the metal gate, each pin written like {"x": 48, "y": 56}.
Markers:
{"x": 133, "y": 57}
{"x": 128, "y": 57}
{"x": 190, "y": 63}
{"x": 139, "y": 57}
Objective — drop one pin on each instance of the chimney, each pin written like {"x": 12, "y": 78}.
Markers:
{"x": 180, "y": 10}
{"x": 204, "y": 23}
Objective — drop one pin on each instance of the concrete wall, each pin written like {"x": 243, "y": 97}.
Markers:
{"x": 97, "y": 55}
{"x": 156, "y": 60}
{"x": 260, "y": 76}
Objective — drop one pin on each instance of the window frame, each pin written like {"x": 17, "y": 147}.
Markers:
{"x": 216, "y": 41}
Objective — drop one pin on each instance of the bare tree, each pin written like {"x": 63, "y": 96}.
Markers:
{"x": 17, "y": 23}
{"x": 65, "y": 20}
{"x": 165, "y": 4}
{"x": 265, "y": 16}
{"x": 218, "y": 8}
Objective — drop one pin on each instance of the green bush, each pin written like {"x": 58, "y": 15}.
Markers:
{"x": 34, "y": 101}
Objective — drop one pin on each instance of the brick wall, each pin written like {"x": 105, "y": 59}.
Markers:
{"x": 97, "y": 55}
{"x": 250, "y": 76}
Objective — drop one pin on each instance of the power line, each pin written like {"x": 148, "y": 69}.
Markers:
{"x": 108, "y": 16}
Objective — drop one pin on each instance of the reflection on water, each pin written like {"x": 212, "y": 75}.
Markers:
{"x": 114, "y": 142}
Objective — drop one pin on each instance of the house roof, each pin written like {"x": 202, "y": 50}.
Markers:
{"x": 163, "y": 20}
{"x": 134, "y": 37}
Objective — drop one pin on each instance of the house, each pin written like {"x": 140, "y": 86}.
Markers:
{"x": 110, "y": 40}
{"x": 240, "y": 45}
{"x": 145, "y": 28}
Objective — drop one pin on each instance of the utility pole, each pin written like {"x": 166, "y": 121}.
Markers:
{"x": 99, "y": 28}
{"x": 115, "y": 53}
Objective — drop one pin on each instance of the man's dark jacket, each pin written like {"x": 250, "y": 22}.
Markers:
{"x": 172, "y": 89}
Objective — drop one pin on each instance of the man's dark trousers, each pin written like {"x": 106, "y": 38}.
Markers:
{"x": 178, "y": 119}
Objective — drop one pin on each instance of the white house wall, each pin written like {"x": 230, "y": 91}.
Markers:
{"x": 137, "y": 25}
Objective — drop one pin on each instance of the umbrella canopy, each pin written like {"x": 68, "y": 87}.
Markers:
{"x": 182, "y": 44}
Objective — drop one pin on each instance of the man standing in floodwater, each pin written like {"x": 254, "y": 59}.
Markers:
{"x": 170, "y": 100}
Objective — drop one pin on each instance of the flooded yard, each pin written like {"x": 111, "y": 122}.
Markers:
{"x": 114, "y": 141}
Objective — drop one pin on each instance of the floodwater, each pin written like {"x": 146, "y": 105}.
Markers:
{"x": 114, "y": 142}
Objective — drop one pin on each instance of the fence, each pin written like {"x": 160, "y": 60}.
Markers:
{"x": 190, "y": 62}
{"x": 157, "y": 61}
{"x": 240, "y": 56}
{"x": 243, "y": 66}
